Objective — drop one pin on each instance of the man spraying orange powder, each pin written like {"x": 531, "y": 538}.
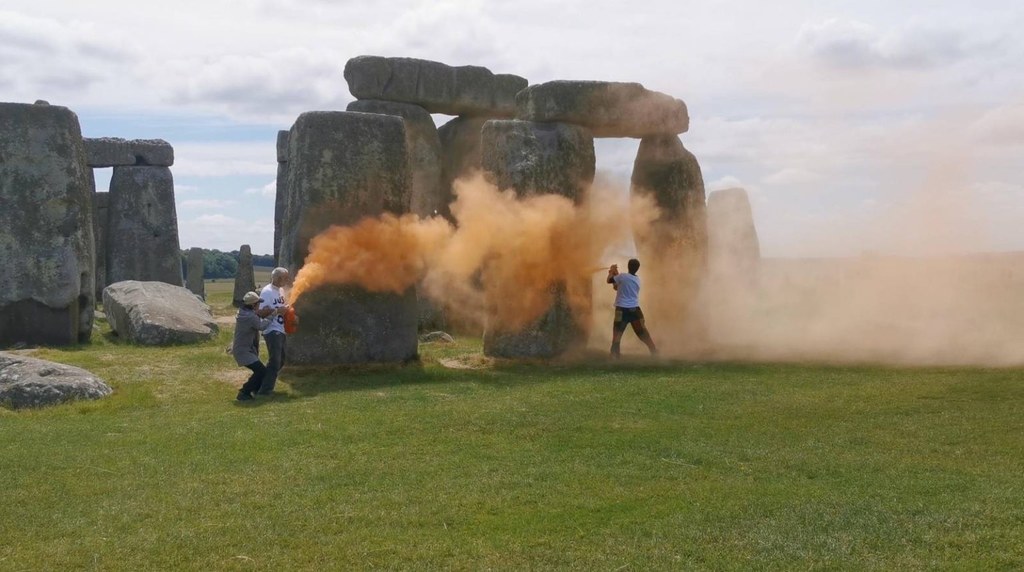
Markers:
{"x": 627, "y": 306}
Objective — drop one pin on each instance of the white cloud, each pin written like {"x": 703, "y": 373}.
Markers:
{"x": 791, "y": 176}
{"x": 225, "y": 158}
{"x": 205, "y": 203}
{"x": 851, "y": 44}
{"x": 268, "y": 190}
{"x": 226, "y": 233}
{"x": 1003, "y": 125}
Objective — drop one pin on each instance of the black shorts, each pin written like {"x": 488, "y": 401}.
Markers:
{"x": 626, "y": 316}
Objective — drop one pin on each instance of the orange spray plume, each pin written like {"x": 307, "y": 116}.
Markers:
{"x": 503, "y": 259}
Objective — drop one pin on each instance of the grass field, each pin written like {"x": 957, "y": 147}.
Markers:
{"x": 587, "y": 465}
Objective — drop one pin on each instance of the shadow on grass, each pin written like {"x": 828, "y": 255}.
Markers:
{"x": 308, "y": 381}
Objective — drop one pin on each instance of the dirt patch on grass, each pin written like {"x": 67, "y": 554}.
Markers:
{"x": 473, "y": 361}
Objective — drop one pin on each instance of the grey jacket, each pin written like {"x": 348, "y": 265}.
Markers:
{"x": 246, "y": 347}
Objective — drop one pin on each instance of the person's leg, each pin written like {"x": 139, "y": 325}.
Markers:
{"x": 644, "y": 335}
{"x": 256, "y": 379}
{"x": 618, "y": 327}
{"x": 275, "y": 347}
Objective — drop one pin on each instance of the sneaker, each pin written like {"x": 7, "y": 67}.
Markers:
{"x": 244, "y": 396}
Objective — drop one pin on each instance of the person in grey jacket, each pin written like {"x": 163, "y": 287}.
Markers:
{"x": 246, "y": 346}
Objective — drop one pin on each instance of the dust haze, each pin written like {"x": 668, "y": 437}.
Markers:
{"x": 937, "y": 302}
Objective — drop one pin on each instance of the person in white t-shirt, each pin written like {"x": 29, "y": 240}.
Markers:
{"x": 272, "y": 298}
{"x": 627, "y": 306}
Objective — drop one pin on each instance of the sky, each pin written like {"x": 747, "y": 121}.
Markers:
{"x": 855, "y": 126}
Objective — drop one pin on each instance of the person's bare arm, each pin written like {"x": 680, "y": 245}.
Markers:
{"x": 613, "y": 271}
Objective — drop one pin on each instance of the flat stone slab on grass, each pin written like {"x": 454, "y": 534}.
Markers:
{"x": 439, "y": 88}
{"x": 608, "y": 109}
{"x": 103, "y": 152}
{"x": 157, "y": 313}
{"x": 30, "y": 382}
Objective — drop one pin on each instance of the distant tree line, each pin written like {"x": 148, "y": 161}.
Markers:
{"x": 217, "y": 264}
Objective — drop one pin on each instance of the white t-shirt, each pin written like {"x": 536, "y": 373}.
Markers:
{"x": 628, "y": 294}
{"x": 272, "y": 297}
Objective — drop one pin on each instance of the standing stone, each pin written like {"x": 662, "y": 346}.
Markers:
{"x": 439, "y": 88}
{"x": 245, "y": 277}
{"x": 194, "y": 278}
{"x": 345, "y": 166}
{"x": 537, "y": 159}
{"x": 424, "y": 151}
{"x": 142, "y": 238}
{"x": 460, "y": 155}
{"x": 282, "y": 190}
{"x": 673, "y": 248}
{"x": 608, "y": 109}
{"x": 734, "y": 251}
{"x": 47, "y": 252}
{"x": 101, "y": 208}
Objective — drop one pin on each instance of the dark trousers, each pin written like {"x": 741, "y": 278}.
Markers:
{"x": 256, "y": 379}
{"x": 276, "y": 348}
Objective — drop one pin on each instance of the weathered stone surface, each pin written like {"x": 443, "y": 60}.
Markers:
{"x": 460, "y": 155}
{"x": 344, "y": 166}
{"x": 536, "y": 159}
{"x": 46, "y": 227}
{"x": 194, "y": 277}
{"x": 439, "y": 88}
{"x": 157, "y": 313}
{"x": 424, "y": 152}
{"x": 245, "y": 277}
{"x": 672, "y": 248}
{"x": 282, "y": 146}
{"x": 734, "y": 251}
{"x": 30, "y": 382}
{"x": 282, "y": 188}
{"x": 142, "y": 232}
{"x": 608, "y": 109}
{"x": 116, "y": 152}
{"x": 101, "y": 209}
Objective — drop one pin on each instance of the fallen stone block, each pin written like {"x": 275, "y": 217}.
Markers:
{"x": 157, "y": 314}
{"x": 29, "y": 382}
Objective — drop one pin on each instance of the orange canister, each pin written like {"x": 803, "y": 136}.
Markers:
{"x": 291, "y": 321}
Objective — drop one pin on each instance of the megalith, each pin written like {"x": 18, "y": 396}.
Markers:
{"x": 245, "y": 277}
{"x": 194, "y": 276}
{"x": 673, "y": 247}
{"x": 424, "y": 152}
{"x": 535, "y": 159}
{"x": 47, "y": 249}
{"x": 157, "y": 313}
{"x": 29, "y": 382}
{"x": 344, "y": 166}
{"x": 281, "y": 185}
{"x": 460, "y": 155}
{"x": 734, "y": 251}
{"x": 101, "y": 207}
{"x": 116, "y": 152}
{"x": 438, "y": 88}
{"x": 142, "y": 233}
{"x": 608, "y": 109}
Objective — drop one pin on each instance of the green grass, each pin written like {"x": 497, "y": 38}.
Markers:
{"x": 588, "y": 465}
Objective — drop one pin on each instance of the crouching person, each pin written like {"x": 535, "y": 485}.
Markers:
{"x": 246, "y": 346}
